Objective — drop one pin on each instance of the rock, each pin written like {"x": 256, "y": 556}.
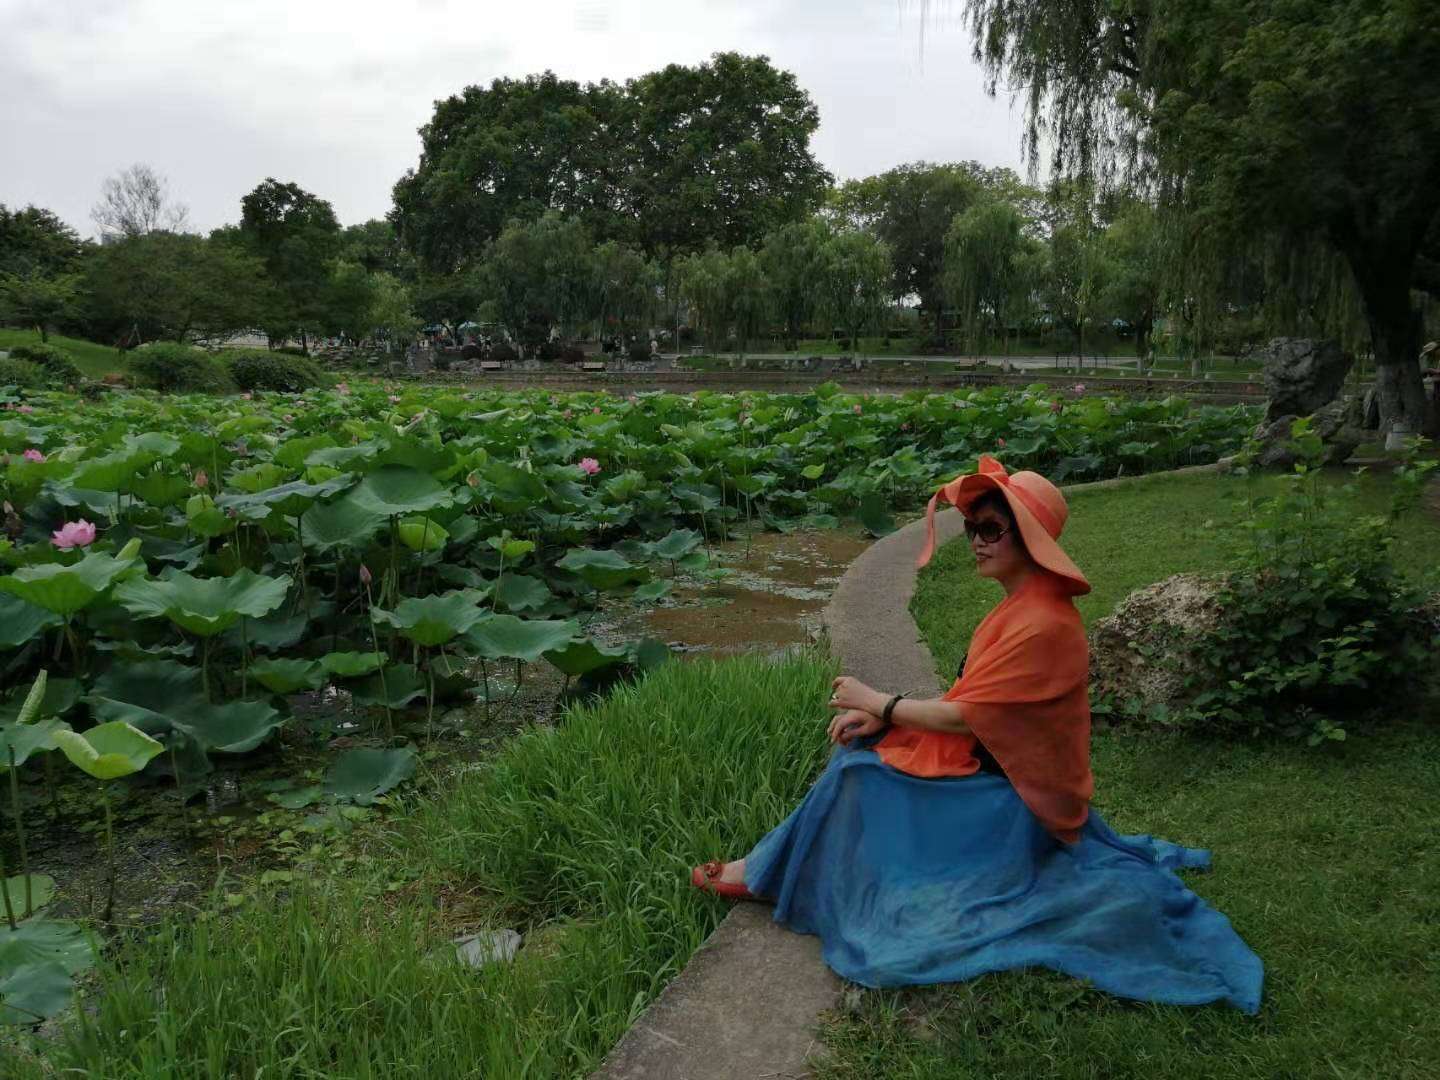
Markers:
{"x": 487, "y": 947}
{"x": 1337, "y": 424}
{"x": 1138, "y": 653}
{"x": 1302, "y": 374}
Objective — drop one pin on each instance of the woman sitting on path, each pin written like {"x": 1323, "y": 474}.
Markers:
{"x": 952, "y": 837}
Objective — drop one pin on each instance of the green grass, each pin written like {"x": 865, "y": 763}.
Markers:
{"x": 581, "y": 837}
{"x": 94, "y": 360}
{"x": 1127, "y": 537}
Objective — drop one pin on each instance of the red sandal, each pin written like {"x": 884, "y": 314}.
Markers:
{"x": 705, "y": 878}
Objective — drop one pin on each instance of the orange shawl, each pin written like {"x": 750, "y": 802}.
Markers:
{"x": 1025, "y": 692}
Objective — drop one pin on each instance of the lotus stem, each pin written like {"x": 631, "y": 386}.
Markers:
{"x": 20, "y": 831}
{"x": 244, "y": 660}
{"x": 205, "y": 666}
{"x": 430, "y": 703}
{"x": 485, "y": 681}
{"x": 109, "y": 854}
{"x": 5, "y": 892}
{"x": 375, "y": 641}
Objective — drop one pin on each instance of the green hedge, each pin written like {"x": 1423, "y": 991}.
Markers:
{"x": 22, "y": 373}
{"x": 175, "y": 368}
{"x": 263, "y": 369}
{"x": 59, "y": 366}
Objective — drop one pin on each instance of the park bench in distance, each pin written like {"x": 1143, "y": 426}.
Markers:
{"x": 592, "y": 365}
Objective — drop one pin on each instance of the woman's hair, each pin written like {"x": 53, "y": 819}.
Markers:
{"x": 995, "y": 501}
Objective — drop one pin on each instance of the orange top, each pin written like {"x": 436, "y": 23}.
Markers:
{"x": 1025, "y": 693}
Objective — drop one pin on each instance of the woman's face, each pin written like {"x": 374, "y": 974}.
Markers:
{"x": 1004, "y": 557}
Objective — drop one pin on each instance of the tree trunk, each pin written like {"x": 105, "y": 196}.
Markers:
{"x": 1395, "y": 326}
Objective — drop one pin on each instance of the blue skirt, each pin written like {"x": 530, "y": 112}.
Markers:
{"x": 908, "y": 880}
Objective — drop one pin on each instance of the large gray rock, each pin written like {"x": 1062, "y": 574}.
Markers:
{"x": 1338, "y": 424}
{"x": 1302, "y": 374}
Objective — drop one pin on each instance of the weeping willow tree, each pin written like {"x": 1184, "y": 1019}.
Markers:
{"x": 1309, "y": 124}
{"x": 991, "y": 269}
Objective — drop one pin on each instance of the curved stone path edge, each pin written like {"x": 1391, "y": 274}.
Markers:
{"x": 749, "y": 1002}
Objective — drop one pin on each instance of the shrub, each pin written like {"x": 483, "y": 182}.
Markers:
{"x": 22, "y": 373}
{"x": 174, "y": 368}
{"x": 639, "y": 352}
{"x": 443, "y": 360}
{"x": 548, "y": 350}
{"x": 572, "y": 354}
{"x": 471, "y": 351}
{"x": 504, "y": 352}
{"x": 265, "y": 369}
{"x": 1318, "y": 630}
{"x": 290, "y": 350}
{"x": 59, "y": 365}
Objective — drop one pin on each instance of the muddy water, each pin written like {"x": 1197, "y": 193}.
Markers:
{"x": 770, "y": 598}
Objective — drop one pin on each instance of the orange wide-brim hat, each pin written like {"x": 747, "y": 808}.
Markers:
{"x": 1038, "y": 508}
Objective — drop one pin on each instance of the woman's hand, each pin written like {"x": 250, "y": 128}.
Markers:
{"x": 854, "y": 724}
{"x": 851, "y": 693}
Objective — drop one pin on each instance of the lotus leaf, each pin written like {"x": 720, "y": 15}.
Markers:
{"x": 510, "y": 549}
{"x": 280, "y": 631}
{"x": 297, "y": 799}
{"x": 161, "y": 489}
{"x": 342, "y": 523}
{"x": 518, "y": 592}
{"x": 293, "y": 452}
{"x": 24, "y": 740}
{"x": 234, "y": 728}
{"x": 396, "y": 686}
{"x": 392, "y": 490}
{"x": 651, "y": 591}
{"x": 649, "y": 653}
{"x": 31, "y": 991}
{"x": 344, "y": 457}
{"x": 110, "y": 472}
{"x": 419, "y": 533}
{"x": 432, "y": 620}
{"x": 147, "y": 694}
{"x": 64, "y": 590}
{"x": 677, "y": 544}
{"x": 205, "y": 518}
{"x": 42, "y": 891}
{"x": 601, "y": 569}
{"x": 363, "y": 774}
{"x": 584, "y": 656}
{"x": 350, "y": 665}
{"x": 205, "y": 606}
{"x": 287, "y": 676}
{"x": 416, "y": 455}
{"x": 507, "y": 637}
{"x": 258, "y": 478}
{"x": 35, "y": 697}
{"x": 875, "y": 515}
{"x": 109, "y": 751}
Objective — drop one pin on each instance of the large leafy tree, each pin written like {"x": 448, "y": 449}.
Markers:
{"x": 35, "y": 241}
{"x": 175, "y": 285}
{"x": 539, "y": 276}
{"x": 513, "y": 150}
{"x": 297, "y": 236}
{"x": 856, "y": 282}
{"x": 38, "y": 301}
{"x": 1135, "y": 250}
{"x": 1311, "y": 121}
{"x": 625, "y": 289}
{"x": 910, "y": 208}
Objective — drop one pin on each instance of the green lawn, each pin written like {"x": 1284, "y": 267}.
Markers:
{"x": 1326, "y": 861}
{"x": 94, "y": 360}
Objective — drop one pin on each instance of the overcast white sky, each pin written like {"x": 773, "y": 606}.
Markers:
{"x": 219, "y": 94}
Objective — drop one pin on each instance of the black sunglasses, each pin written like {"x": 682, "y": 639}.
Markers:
{"x": 989, "y": 531}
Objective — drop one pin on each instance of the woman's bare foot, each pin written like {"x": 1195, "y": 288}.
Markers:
{"x": 733, "y": 873}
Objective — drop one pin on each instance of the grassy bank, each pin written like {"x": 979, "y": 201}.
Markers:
{"x": 94, "y": 360}
{"x": 581, "y": 837}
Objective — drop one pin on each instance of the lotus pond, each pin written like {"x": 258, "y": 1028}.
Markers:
{"x": 334, "y": 583}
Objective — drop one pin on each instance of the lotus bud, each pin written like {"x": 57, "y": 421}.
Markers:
{"x": 365, "y": 577}
{"x": 201, "y": 480}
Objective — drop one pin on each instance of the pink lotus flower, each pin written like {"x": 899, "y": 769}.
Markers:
{"x": 73, "y": 534}
{"x": 1056, "y": 406}
{"x": 567, "y": 414}
{"x": 365, "y": 577}
{"x": 26, "y": 409}
{"x": 905, "y": 426}
{"x": 34, "y": 455}
{"x": 589, "y": 466}
{"x": 857, "y": 410}
{"x": 394, "y": 398}
{"x": 288, "y": 417}
{"x": 201, "y": 480}
{"x": 1079, "y": 388}
{"x": 1000, "y": 443}
{"x": 247, "y": 396}
{"x": 342, "y": 388}
{"x": 596, "y": 410}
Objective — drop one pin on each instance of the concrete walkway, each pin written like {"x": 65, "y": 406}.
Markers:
{"x": 748, "y": 1003}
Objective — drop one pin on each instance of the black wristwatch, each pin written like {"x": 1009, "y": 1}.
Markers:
{"x": 890, "y": 708}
